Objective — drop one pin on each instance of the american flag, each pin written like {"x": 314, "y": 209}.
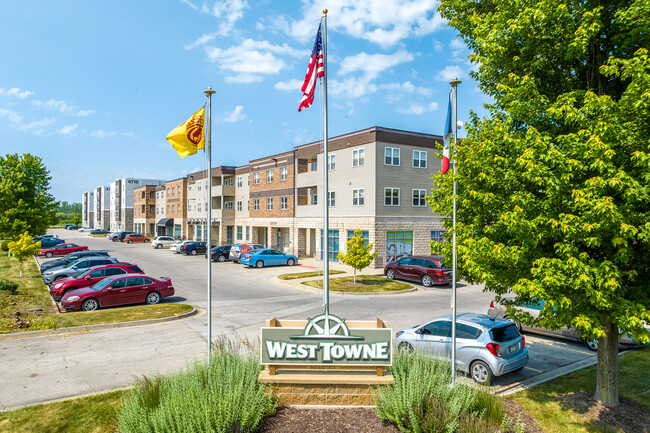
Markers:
{"x": 446, "y": 139}
{"x": 315, "y": 70}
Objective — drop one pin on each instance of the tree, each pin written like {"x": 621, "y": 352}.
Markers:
{"x": 554, "y": 185}
{"x": 25, "y": 201}
{"x": 358, "y": 254}
{"x": 23, "y": 249}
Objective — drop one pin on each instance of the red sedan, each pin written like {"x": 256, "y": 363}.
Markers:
{"x": 119, "y": 290}
{"x": 91, "y": 276}
{"x": 61, "y": 250}
{"x": 427, "y": 269}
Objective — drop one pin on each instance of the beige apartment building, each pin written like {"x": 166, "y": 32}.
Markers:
{"x": 144, "y": 210}
{"x": 176, "y": 207}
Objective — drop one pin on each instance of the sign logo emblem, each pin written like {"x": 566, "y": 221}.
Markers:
{"x": 326, "y": 327}
{"x": 194, "y": 129}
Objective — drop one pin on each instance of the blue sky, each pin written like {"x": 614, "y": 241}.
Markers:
{"x": 93, "y": 87}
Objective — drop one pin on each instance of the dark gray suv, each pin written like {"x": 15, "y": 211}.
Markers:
{"x": 75, "y": 268}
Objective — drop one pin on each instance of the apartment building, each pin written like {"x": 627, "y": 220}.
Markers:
{"x": 87, "y": 207}
{"x": 176, "y": 206}
{"x": 144, "y": 210}
{"x": 102, "y": 207}
{"x": 164, "y": 225}
{"x": 242, "y": 205}
{"x": 121, "y": 201}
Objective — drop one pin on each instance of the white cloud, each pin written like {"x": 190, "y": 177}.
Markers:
{"x": 457, "y": 44}
{"x": 190, "y": 4}
{"x": 437, "y": 46}
{"x": 15, "y": 91}
{"x": 373, "y": 64}
{"x": 100, "y": 133}
{"x": 251, "y": 60}
{"x": 38, "y": 126}
{"x": 84, "y": 113}
{"x": 11, "y": 115}
{"x": 202, "y": 40}
{"x": 293, "y": 85}
{"x": 351, "y": 88}
{"x": 228, "y": 12}
{"x": 419, "y": 108}
{"x": 234, "y": 116}
{"x": 55, "y": 105}
{"x": 381, "y": 22}
{"x": 128, "y": 134}
{"x": 405, "y": 87}
{"x": 451, "y": 72}
{"x": 67, "y": 129}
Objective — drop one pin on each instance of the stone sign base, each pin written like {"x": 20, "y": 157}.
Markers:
{"x": 328, "y": 388}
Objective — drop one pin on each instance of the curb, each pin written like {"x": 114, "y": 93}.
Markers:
{"x": 297, "y": 283}
{"x": 99, "y": 326}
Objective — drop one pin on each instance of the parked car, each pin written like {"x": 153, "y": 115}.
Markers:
{"x": 162, "y": 242}
{"x": 486, "y": 346}
{"x": 427, "y": 269}
{"x": 75, "y": 268}
{"x": 119, "y": 236}
{"x": 98, "y": 232}
{"x": 119, "y": 290}
{"x": 61, "y": 250}
{"x": 63, "y": 261}
{"x": 91, "y": 276}
{"x": 84, "y": 229}
{"x": 177, "y": 246}
{"x": 41, "y": 237}
{"x": 193, "y": 248}
{"x": 50, "y": 242}
{"x": 67, "y": 226}
{"x": 238, "y": 249}
{"x": 267, "y": 257}
{"x": 136, "y": 237}
{"x": 72, "y": 227}
{"x": 220, "y": 253}
{"x": 111, "y": 235}
{"x": 534, "y": 307}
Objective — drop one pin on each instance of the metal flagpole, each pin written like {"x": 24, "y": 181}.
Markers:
{"x": 209, "y": 92}
{"x": 454, "y": 85}
{"x": 325, "y": 240}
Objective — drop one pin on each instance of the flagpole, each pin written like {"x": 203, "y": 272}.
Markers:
{"x": 209, "y": 92}
{"x": 325, "y": 241}
{"x": 454, "y": 85}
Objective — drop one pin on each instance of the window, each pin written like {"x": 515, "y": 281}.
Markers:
{"x": 269, "y": 176}
{"x": 441, "y": 328}
{"x": 364, "y": 233}
{"x": 239, "y": 181}
{"x": 419, "y": 159}
{"x": 283, "y": 203}
{"x": 167, "y": 192}
{"x": 418, "y": 197}
{"x": 358, "y": 157}
{"x": 248, "y": 205}
{"x": 391, "y": 196}
{"x": 239, "y": 233}
{"x": 229, "y": 181}
{"x": 398, "y": 243}
{"x": 331, "y": 162}
{"x": 256, "y": 204}
{"x": 152, "y": 209}
{"x": 168, "y": 209}
{"x": 256, "y": 178}
{"x": 466, "y": 331}
{"x": 269, "y": 203}
{"x": 248, "y": 232}
{"x": 178, "y": 190}
{"x": 314, "y": 198}
{"x": 332, "y": 245}
{"x": 438, "y": 235}
{"x": 314, "y": 165}
{"x": 331, "y": 198}
{"x": 239, "y": 206}
{"x": 283, "y": 173}
{"x": 173, "y": 209}
{"x": 391, "y": 156}
{"x": 248, "y": 179}
{"x": 228, "y": 205}
{"x": 198, "y": 207}
{"x": 358, "y": 197}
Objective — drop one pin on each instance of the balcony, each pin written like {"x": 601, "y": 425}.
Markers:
{"x": 309, "y": 178}
{"x": 219, "y": 190}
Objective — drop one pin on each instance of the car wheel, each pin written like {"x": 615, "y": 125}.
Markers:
{"x": 193, "y": 252}
{"x": 427, "y": 281}
{"x": 390, "y": 274}
{"x": 146, "y": 241}
{"x": 259, "y": 264}
{"x": 90, "y": 304}
{"x": 49, "y": 254}
{"x": 129, "y": 241}
{"x": 291, "y": 262}
{"x": 592, "y": 345}
{"x": 153, "y": 298}
{"x": 405, "y": 347}
{"x": 158, "y": 246}
{"x": 221, "y": 258}
{"x": 481, "y": 373}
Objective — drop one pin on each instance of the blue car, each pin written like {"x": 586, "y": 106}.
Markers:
{"x": 50, "y": 242}
{"x": 267, "y": 257}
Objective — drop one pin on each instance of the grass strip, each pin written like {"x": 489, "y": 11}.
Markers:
{"x": 365, "y": 284}
{"x": 123, "y": 314}
{"x": 297, "y": 275}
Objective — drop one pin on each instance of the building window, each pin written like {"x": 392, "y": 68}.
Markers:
{"x": 239, "y": 205}
{"x": 167, "y": 209}
{"x": 178, "y": 190}
{"x": 391, "y": 196}
{"x": 152, "y": 209}
{"x": 269, "y": 176}
{"x": 358, "y": 157}
{"x": 199, "y": 230}
{"x": 283, "y": 173}
{"x": 364, "y": 233}
{"x": 391, "y": 156}
{"x": 419, "y": 159}
{"x": 438, "y": 235}
{"x": 397, "y": 243}
{"x": 229, "y": 181}
{"x": 331, "y": 162}
{"x": 269, "y": 203}
{"x": 358, "y": 197}
{"x": 239, "y": 181}
{"x": 314, "y": 165}
{"x": 167, "y": 192}
{"x": 198, "y": 186}
{"x": 331, "y": 198}
{"x": 198, "y": 207}
{"x": 248, "y": 232}
{"x": 418, "y": 197}
{"x": 239, "y": 233}
{"x": 283, "y": 203}
{"x": 228, "y": 205}
{"x": 248, "y": 205}
{"x": 314, "y": 198}
{"x": 256, "y": 204}
{"x": 256, "y": 178}
{"x": 332, "y": 245}
{"x": 248, "y": 179}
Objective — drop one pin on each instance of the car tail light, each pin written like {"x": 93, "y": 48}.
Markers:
{"x": 523, "y": 342}
{"x": 440, "y": 272}
{"x": 491, "y": 304}
{"x": 493, "y": 348}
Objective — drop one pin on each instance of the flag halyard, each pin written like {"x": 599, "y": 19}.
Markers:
{"x": 188, "y": 137}
{"x": 315, "y": 70}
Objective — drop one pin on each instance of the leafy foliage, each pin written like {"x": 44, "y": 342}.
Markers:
{"x": 5, "y": 245}
{"x": 9, "y": 286}
{"x": 554, "y": 187}
{"x": 25, "y": 201}
{"x": 23, "y": 249}
{"x": 358, "y": 255}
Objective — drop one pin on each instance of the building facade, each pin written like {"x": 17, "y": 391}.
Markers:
{"x": 144, "y": 210}
{"x": 121, "y": 199}
{"x": 87, "y": 209}
{"x": 102, "y": 207}
{"x": 176, "y": 206}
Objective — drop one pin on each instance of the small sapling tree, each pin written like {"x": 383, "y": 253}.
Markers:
{"x": 357, "y": 255}
{"x": 23, "y": 249}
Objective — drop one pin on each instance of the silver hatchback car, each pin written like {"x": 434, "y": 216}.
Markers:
{"x": 485, "y": 346}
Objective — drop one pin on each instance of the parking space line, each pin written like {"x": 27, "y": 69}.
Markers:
{"x": 560, "y": 347}
{"x": 534, "y": 369}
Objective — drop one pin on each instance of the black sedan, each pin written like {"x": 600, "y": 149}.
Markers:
{"x": 220, "y": 253}
{"x": 193, "y": 248}
{"x": 98, "y": 232}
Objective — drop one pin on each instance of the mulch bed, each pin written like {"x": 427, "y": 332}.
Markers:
{"x": 629, "y": 416}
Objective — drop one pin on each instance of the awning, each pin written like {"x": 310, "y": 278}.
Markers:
{"x": 166, "y": 222}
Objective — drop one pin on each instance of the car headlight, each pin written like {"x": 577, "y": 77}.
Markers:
{"x": 73, "y": 298}
{"x": 57, "y": 285}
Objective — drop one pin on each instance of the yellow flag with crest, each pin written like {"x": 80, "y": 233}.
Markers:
{"x": 188, "y": 137}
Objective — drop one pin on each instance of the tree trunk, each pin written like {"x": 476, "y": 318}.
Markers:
{"x": 355, "y": 276}
{"x": 607, "y": 375}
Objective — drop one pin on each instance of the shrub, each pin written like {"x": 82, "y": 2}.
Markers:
{"x": 223, "y": 396}
{"x": 9, "y": 286}
{"x": 5, "y": 245}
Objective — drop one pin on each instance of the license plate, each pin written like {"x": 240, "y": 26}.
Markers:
{"x": 513, "y": 348}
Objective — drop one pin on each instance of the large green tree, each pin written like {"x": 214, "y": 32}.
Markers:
{"x": 25, "y": 201}
{"x": 554, "y": 184}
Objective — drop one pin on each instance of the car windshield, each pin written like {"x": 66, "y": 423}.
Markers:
{"x": 504, "y": 333}
{"x": 71, "y": 264}
{"x": 83, "y": 274}
{"x": 100, "y": 285}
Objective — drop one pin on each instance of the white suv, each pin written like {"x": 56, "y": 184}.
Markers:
{"x": 162, "y": 241}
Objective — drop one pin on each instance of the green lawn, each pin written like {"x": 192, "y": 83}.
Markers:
{"x": 296, "y": 275}
{"x": 365, "y": 284}
{"x": 19, "y": 312}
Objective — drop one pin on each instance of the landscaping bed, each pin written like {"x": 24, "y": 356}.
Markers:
{"x": 364, "y": 284}
{"x": 308, "y": 274}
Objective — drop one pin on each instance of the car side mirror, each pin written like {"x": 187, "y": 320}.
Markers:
{"x": 419, "y": 330}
